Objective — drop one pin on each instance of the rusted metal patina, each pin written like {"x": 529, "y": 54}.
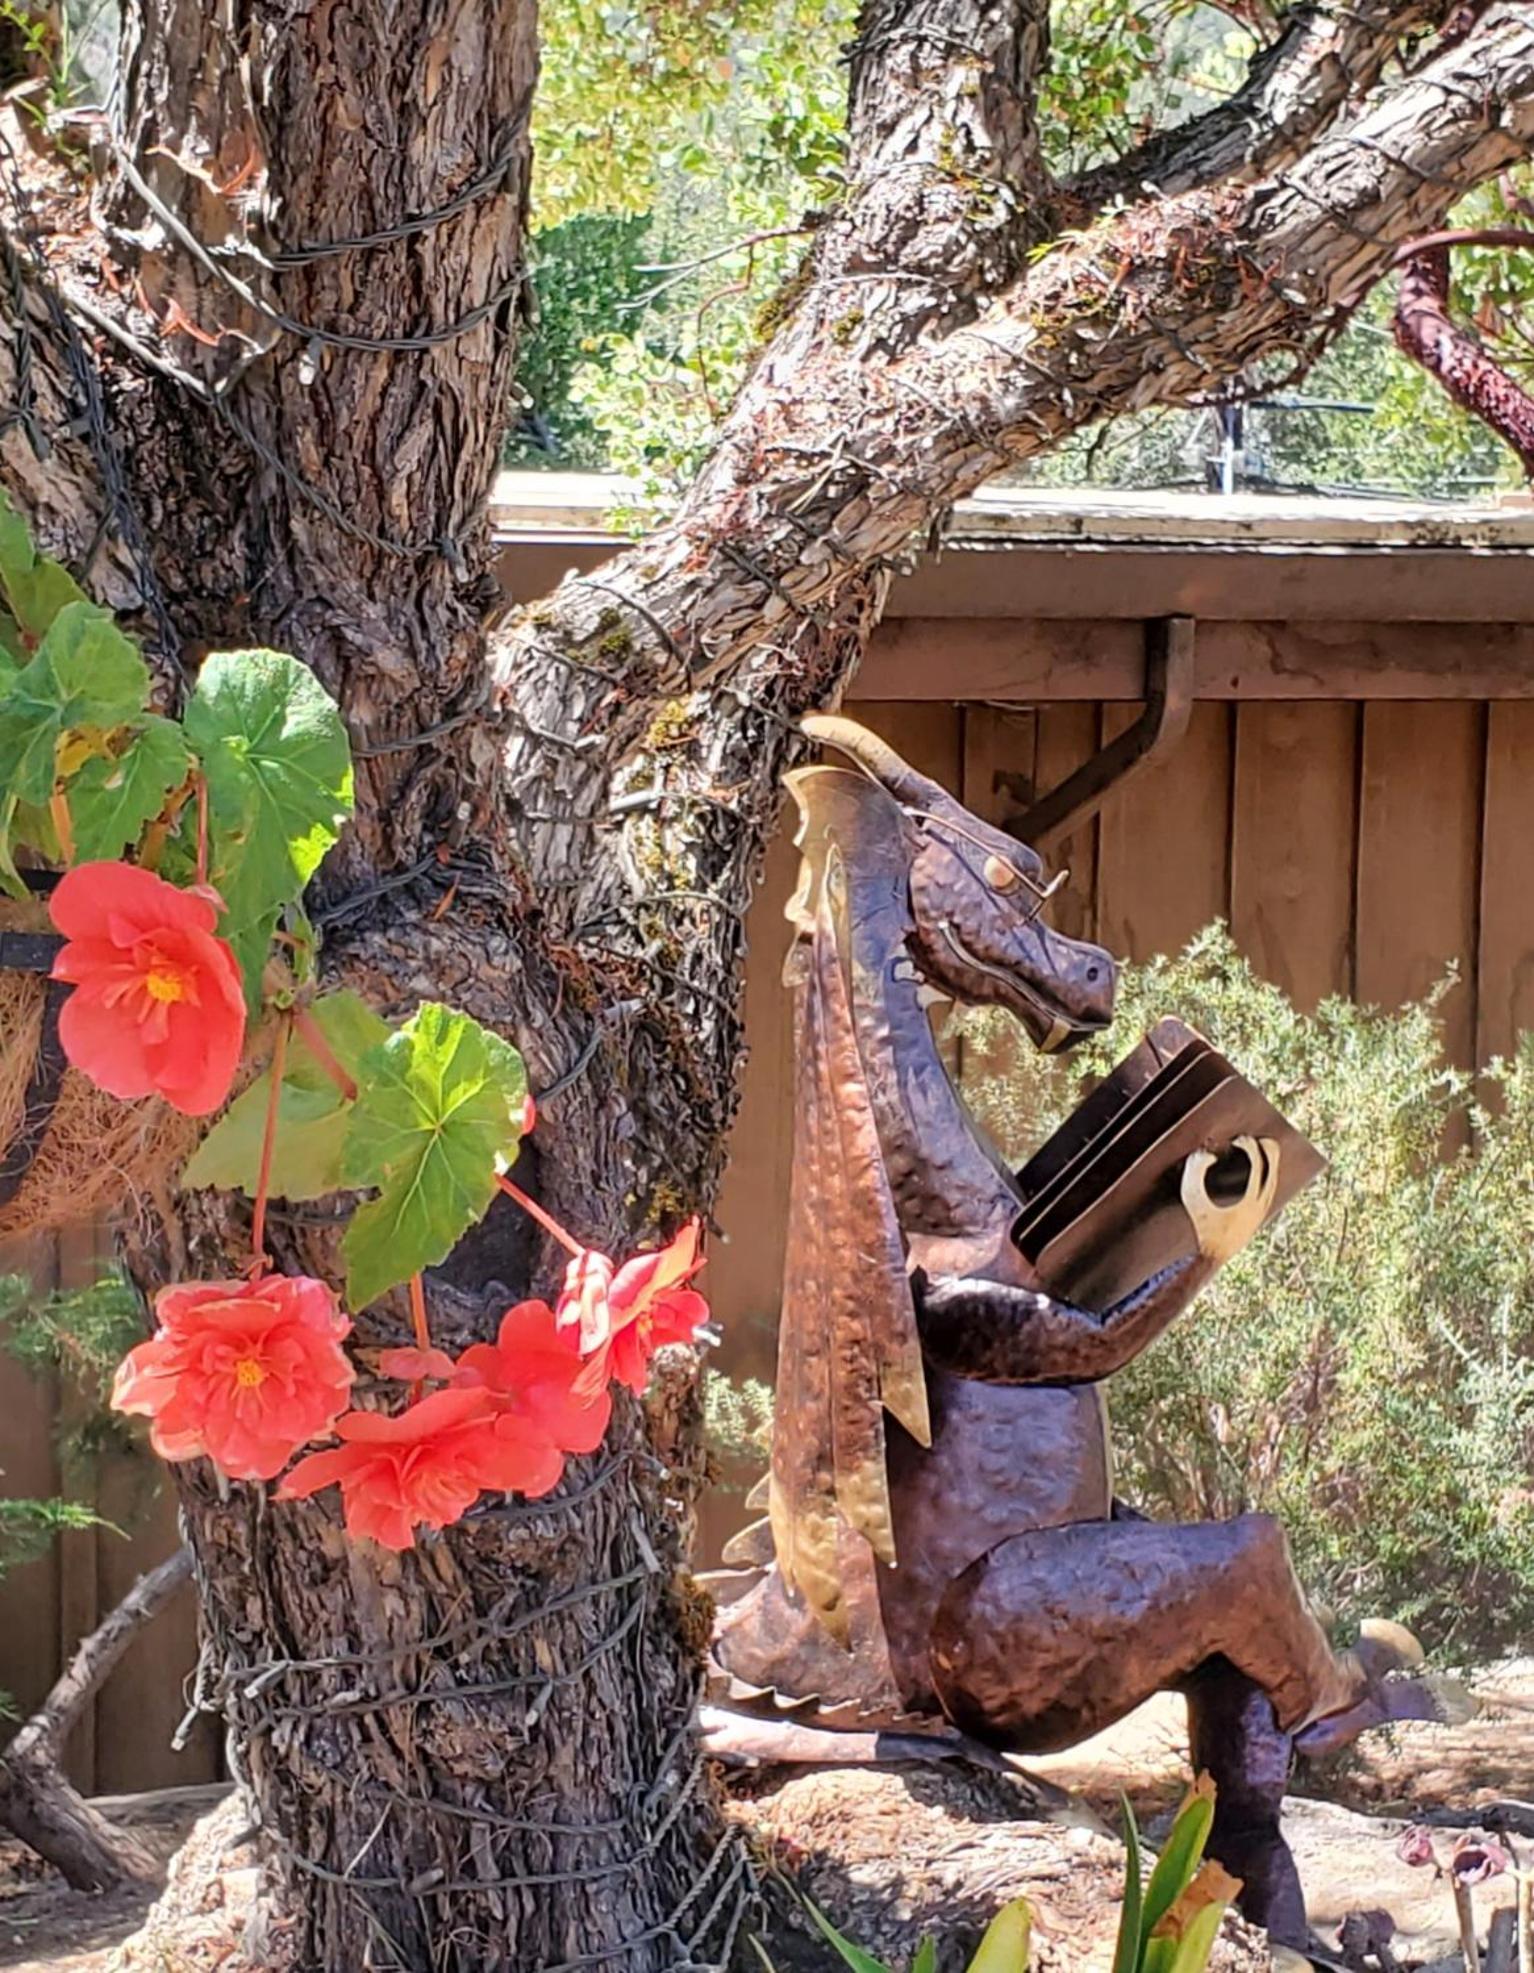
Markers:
{"x": 944, "y": 1540}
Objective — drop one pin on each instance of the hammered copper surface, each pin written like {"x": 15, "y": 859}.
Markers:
{"x": 941, "y": 1495}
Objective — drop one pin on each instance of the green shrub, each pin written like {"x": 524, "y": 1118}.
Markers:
{"x": 1365, "y": 1370}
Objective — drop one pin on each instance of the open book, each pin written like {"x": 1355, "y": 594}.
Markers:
{"x": 1103, "y": 1209}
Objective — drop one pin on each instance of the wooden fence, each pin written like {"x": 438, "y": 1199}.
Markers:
{"x": 1354, "y": 847}
{"x": 1355, "y": 794}
{"x": 123, "y": 1743}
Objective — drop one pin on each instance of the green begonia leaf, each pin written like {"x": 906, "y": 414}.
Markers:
{"x": 85, "y": 673}
{"x": 278, "y": 765}
{"x": 111, "y": 800}
{"x": 440, "y": 1105}
{"x": 312, "y": 1113}
{"x": 36, "y": 589}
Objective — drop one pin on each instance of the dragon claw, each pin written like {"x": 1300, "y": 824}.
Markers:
{"x": 1222, "y": 1231}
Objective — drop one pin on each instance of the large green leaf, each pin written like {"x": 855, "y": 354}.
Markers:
{"x": 111, "y": 800}
{"x": 312, "y": 1113}
{"x": 1008, "y": 1939}
{"x": 85, "y": 673}
{"x": 278, "y": 764}
{"x": 1178, "y": 1863}
{"x": 35, "y": 587}
{"x": 440, "y": 1103}
{"x": 11, "y": 881}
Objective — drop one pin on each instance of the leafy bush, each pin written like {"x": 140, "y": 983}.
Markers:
{"x": 1365, "y": 1370}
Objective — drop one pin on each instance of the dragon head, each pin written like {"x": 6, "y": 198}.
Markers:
{"x": 977, "y": 898}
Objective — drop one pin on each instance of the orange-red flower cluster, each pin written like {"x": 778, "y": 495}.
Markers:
{"x": 244, "y": 1372}
{"x": 513, "y": 1409}
{"x": 623, "y": 1315}
{"x": 248, "y": 1372}
{"x": 158, "y": 1007}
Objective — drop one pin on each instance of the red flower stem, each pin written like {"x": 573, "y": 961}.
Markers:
{"x": 421, "y": 1326}
{"x": 313, "y": 1037}
{"x": 418, "y": 1312}
{"x": 202, "y": 828}
{"x": 535, "y": 1211}
{"x": 258, "y": 1254}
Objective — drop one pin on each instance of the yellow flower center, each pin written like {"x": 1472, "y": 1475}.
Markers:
{"x": 248, "y": 1373}
{"x": 166, "y": 983}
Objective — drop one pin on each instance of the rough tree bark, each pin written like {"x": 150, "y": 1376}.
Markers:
{"x": 1425, "y": 329}
{"x": 478, "y": 1756}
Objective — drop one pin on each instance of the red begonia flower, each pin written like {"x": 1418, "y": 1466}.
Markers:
{"x": 158, "y": 1007}
{"x": 535, "y": 1374}
{"x": 584, "y": 1307}
{"x": 243, "y": 1372}
{"x": 423, "y": 1467}
{"x": 646, "y": 1306}
{"x": 542, "y": 1392}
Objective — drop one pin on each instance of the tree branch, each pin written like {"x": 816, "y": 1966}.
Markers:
{"x": 1327, "y": 57}
{"x": 1429, "y": 335}
{"x": 36, "y": 1801}
{"x": 768, "y": 580}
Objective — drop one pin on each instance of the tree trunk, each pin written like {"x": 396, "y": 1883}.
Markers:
{"x": 479, "y": 1755}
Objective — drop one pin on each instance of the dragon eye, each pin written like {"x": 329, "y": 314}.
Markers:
{"x": 1001, "y": 876}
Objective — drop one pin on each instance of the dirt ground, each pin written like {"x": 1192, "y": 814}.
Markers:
{"x": 1347, "y": 1851}
{"x": 47, "y": 1928}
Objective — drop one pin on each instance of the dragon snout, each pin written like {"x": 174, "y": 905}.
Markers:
{"x": 1084, "y": 981}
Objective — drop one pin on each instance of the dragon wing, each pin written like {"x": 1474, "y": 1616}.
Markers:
{"x": 848, "y": 1348}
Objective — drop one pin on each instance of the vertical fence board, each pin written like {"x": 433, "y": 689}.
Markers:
{"x": 996, "y": 781}
{"x": 1293, "y": 844}
{"x": 1505, "y": 973}
{"x": 1419, "y": 831}
{"x": 745, "y": 1270}
{"x": 29, "y": 1595}
{"x": 1164, "y": 840}
{"x": 1068, "y": 736}
{"x": 997, "y": 777}
{"x": 141, "y": 1705}
{"x": 81, "y": 1252}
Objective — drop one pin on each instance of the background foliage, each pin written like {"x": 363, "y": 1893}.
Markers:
{"x": 1365, "y": 1370}
{"x": 676, "y": 131}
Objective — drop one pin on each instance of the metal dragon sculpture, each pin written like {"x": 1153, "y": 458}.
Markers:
{"x": 944, "y": 1539}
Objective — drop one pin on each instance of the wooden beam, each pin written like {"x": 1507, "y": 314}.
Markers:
{"x": 1026, "y": 661}
{"x": 1054, "y": 581}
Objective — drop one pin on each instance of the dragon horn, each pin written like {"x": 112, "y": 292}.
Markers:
{"x": 878, "y": 758}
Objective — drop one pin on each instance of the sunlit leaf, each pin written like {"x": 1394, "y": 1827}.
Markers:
{"x": 1126, "y": 1952}
{"x": 1181, "y": 1855}
{"x": 1004, "y": 1949}
{"x": 112, "y": 799}
{"x": 440, "y": 1104}
{"x": 85, "y": 673}
{"x": 312, "y": 1113}
{"x": 278, "y": 765}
